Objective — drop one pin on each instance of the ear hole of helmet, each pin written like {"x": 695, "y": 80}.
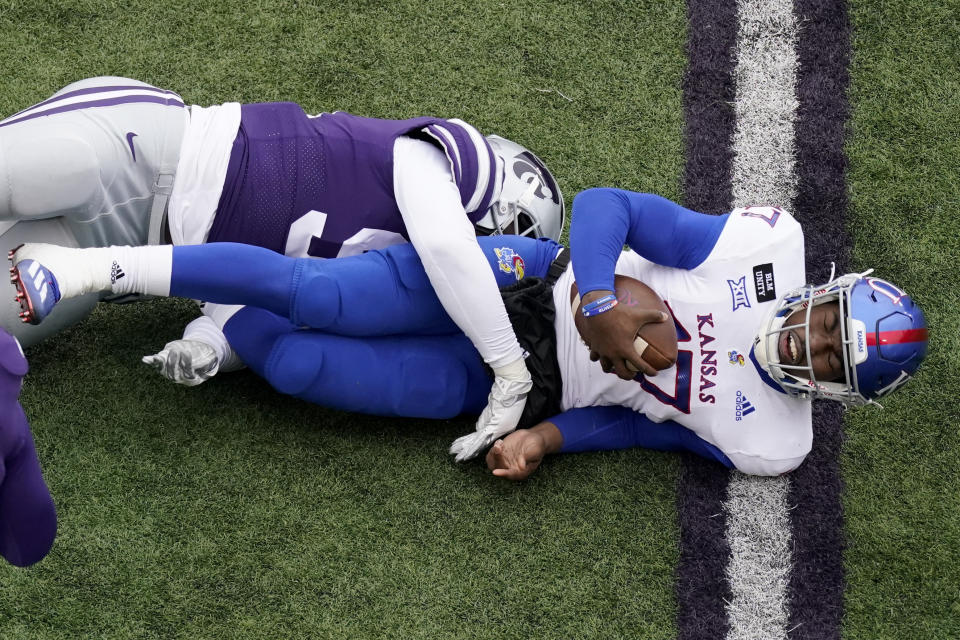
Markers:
{"x": 525, "y": 224}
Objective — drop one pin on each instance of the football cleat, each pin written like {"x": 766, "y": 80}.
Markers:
{"x": 37, "y": 290}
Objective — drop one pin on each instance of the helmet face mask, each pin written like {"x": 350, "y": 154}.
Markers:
{"x": 530, "y": 202}
{"x": 883, "y": 337}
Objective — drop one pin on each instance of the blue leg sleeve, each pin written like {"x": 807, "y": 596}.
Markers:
{"x": 387, "y": 292}
{"x": 408, "y": 376}
{"x": 230, "y": 273}
{"x": 377, "y": 293}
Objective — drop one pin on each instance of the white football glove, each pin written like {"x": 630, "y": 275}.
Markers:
{"x": 186, "y": 362}
{"x": 508, "y": 397}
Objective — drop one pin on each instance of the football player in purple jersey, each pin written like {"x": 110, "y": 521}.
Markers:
{"x": 113, "y": 161}
{"x": 367, "y": 333}
{"x": 28, "y": 520}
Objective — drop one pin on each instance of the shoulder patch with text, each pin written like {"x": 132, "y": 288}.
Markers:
{"x": 763, "y": 282}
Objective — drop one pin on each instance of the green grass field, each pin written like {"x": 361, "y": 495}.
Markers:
{"x": 229, "y": 511}
{"x": 902, "y": 465}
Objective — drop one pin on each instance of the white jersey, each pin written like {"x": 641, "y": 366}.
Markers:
{"x": 715, "y": 389}
{"x": 207, "y": 142}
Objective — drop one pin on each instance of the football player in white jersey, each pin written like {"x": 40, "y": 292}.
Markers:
{"x": 113, "y": 161}
{"x": 755, "y": 343}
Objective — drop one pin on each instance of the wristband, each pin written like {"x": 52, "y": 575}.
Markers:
{"x": 600, "y": 305}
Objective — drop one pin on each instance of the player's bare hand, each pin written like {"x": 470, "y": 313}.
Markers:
{"x": 610, "y": 336}
{"x": 517, "y": 455}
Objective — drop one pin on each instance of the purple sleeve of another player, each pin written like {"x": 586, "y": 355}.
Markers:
{"x": 606, "y": 428}
{"x": 28, "y": 520}
{"x": 658, "y": 229}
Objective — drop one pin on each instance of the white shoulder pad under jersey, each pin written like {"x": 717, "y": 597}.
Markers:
{"x": 715, "y": 389}
{"x": 91, "y": 154}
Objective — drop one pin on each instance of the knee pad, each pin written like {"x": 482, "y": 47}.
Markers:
{"x": 294, "y": 364}
{"x": 386, "y": 376}
{"x": 316, "y": 302}
{"x": 429, "y": 386}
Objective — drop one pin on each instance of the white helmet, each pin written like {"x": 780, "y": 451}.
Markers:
{"x": 530, "y": 202}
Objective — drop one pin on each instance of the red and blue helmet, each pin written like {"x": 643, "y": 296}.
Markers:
{"x": 884, "y": 336}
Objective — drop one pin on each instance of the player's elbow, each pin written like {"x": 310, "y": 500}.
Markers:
{"x": 444, "y": 255}
{"x": 756, "y": 466}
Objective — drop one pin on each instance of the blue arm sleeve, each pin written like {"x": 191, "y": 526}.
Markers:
{"x": 605, "y": 428}
{"x": 604, "y": 219}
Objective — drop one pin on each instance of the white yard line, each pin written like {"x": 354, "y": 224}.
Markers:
{"x": 758, "y": 522}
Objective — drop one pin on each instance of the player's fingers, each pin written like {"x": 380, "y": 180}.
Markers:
{"x": 651, "y": 316}
{"x": 491, "y": 456}
{"x": 635, "y": 363}
{"x": 623, "y": 372}
{"x": 508, "y": 472}
{"x": 531, "y": 464}
{"x": 606, "y": 364}
{"x": 495, "y": 456}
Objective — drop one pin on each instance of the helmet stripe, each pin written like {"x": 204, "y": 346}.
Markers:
{"x": 896, "y": 337}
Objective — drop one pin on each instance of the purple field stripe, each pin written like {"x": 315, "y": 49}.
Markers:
{"x": 702, "y": 588}
{"x": 89, "y": 90}
{"x": 708, "y": 95}
{"x": 817, "y": 581}
{"x": 821, "y": 205}
{"x": 96, "y": 103}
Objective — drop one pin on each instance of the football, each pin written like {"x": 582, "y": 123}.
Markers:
{"x": 656, "y": 342}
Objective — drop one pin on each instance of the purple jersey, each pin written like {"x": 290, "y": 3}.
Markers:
{"x": 334, "y": 172}
{"x": 28, "y": 521}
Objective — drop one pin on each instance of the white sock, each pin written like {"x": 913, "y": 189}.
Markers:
{"x": 117, "y": 269}
{"x": 141, "y": 270}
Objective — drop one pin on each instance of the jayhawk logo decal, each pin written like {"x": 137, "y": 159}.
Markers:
{"x": 509, "y": 261}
